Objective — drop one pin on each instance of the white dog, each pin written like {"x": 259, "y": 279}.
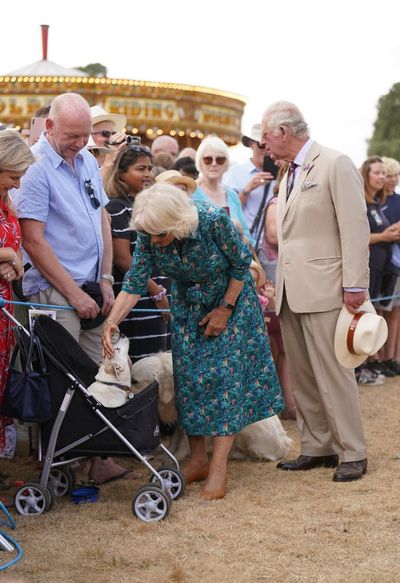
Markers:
{"x": 264, "y": 440}
{"x": 113, "y": 381}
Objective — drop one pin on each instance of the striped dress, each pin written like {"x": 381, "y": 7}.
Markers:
{"x": 147, "y": 332}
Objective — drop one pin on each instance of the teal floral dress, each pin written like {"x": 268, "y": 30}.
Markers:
{"x": 226, "y": 382}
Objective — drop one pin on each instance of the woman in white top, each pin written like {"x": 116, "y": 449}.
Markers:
{"x": 212, "y": 161}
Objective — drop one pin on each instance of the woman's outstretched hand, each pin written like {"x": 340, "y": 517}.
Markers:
{"x": 110, "y": 328}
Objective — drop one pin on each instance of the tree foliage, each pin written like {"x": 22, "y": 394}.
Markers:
{"x": 385, "y": 140}
{"x": 94, "y": 70}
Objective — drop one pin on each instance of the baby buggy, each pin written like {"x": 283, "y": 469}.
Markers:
{"x": 80, "y": 426}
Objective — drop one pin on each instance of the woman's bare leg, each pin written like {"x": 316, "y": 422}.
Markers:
{"x": 221, "y": 447}
{"x": 198, "y": 453}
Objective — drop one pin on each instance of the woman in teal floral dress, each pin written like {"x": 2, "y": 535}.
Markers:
{"x": 225, "y": 378}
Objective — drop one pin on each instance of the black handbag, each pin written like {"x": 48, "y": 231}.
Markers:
{"x": 92, "y": 288}
{"x": 27, "y": 393}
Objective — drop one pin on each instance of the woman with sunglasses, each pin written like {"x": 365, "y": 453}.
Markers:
{"x": 212, "y": 161}
{"x": 223, "y": 370}
{"x": 148, "y": 333}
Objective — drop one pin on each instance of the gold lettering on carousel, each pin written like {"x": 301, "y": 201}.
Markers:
{"x": 144, "y": 109}
{"x": 218, "y": 117}
{"x": 22, "y": 105}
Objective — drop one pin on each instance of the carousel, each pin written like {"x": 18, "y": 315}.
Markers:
{"x": 186, "y": 112}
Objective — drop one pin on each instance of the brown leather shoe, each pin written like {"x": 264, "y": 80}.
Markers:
{"x": 349, "y": 471}
{"x": 308, "y": 462}
{"x": 215, "y": 494}
{"x": 198, "y": 474}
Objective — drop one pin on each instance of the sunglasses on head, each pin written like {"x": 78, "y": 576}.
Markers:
{"x": 220, "y": 160}
{"x": 104, "y": 133}
{"x": 152, "y": 234}
{"x": 94, "y": 201}
{"x": 140, "y": 149}
{"x": 143, "y": 150}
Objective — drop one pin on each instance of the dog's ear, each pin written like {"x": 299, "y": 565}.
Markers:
{"x": 113, "y": 368}
{"x": 117, "y": 370}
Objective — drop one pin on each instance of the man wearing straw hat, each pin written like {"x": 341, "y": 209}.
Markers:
{"x": 323, "y": 238}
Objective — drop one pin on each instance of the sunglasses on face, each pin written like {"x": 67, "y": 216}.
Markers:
{"x": 220, "y": 160}
{"x": 105, "y": 133}
{"x": 94, "y": 201}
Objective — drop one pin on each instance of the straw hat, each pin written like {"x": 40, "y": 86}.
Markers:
{"x": 360, "y": 335}
{"x": 99, "y": 114}
{"x": 91, "y": 145}
{"x": 254, "y": 134}
{"x": 175, "y": 177}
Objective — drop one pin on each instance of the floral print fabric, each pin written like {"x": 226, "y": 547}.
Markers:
{"x": 227, "y": 382}
{"x": 10, "y": 236}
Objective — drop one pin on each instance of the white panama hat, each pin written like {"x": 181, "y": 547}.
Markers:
{"x": 91, "y": 145}
{"x": 99, "y": 114}
{"x": 254, "y": 134}
{"x": 360, "y": 335}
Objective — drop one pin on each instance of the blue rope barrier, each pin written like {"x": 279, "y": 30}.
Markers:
{"x": 11, "y": 524}
{"x": 53, "y": 307}
{"x": 142, "y": 310}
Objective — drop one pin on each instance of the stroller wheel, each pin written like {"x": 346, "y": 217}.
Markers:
{"x": 48, "y": 492}
{"x": 174, "y": 482}
{"x": 62, "y": 480}
{"x": 151, "y": 504}
{"x": 32, "y": 499}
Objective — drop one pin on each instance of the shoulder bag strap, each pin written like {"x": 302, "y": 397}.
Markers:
{"x": 260, "y": 211}
{"x": 35, "y": 344}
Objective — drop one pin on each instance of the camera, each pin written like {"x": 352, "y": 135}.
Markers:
{"x": 133, "y": 140}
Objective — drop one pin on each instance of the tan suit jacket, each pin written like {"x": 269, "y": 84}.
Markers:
{"x": 323, "y": 233}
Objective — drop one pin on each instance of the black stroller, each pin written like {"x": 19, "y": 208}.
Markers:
{"x": 80, "y": 426}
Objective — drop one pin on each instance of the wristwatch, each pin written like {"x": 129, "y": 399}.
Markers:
{"x": 225, "y": 304}
{"x": 108, "y": 277}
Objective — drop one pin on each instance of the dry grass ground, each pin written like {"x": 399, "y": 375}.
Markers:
{"x": 272, "y": 525}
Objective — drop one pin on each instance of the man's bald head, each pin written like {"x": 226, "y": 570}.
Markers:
{"x": 165, "y": 144}
{"x": 69, "y": 125}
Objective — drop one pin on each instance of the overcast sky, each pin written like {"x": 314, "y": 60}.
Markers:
{"x": 333, "y": 59}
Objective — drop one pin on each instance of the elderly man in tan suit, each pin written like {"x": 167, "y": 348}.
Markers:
{"x": 323, "y": 237}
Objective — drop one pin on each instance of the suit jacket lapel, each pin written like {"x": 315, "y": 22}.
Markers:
{"x": 312, "y": 154}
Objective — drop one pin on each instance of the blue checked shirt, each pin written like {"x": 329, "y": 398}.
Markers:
{"x": 51, "y": 193}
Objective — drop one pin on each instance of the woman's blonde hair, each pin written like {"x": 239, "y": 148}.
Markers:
{"x": 392, "y": 166}
{"x": 15, "y": 155}
{"x": 164, "y": 208}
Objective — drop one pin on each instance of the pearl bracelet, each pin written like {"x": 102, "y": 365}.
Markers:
{"x": 160, "y": 295}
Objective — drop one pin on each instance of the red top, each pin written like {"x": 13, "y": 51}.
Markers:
{"x": 10, "y": 236}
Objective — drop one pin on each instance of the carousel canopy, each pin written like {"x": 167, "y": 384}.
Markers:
{"x": 45, "y": 68}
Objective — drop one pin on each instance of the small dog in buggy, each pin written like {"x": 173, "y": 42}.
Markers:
{"x": 81, "y": 426}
